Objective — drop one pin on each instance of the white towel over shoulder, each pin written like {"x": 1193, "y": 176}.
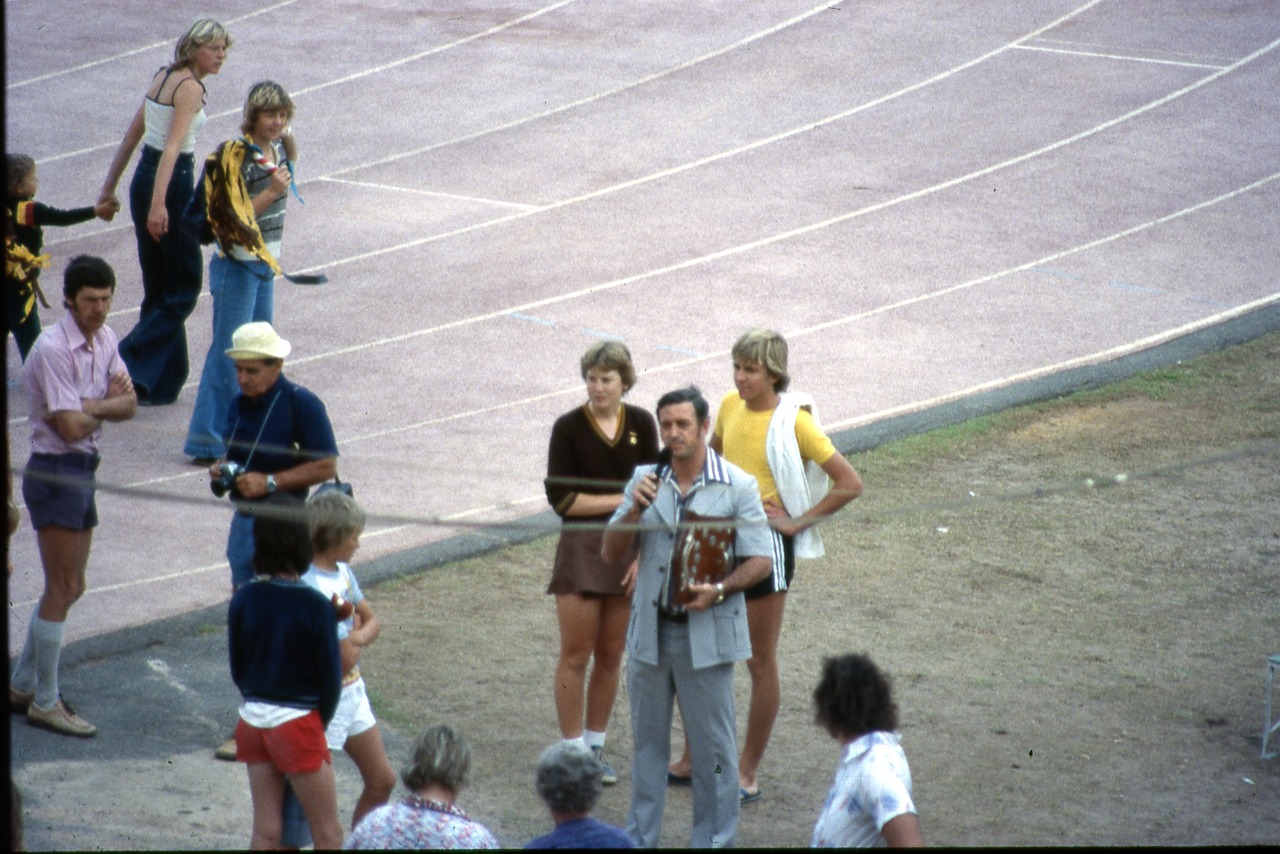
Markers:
{"x": 801, "y": 484}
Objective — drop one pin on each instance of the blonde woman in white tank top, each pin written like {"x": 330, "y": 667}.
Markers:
{"x": 170, "y": 259}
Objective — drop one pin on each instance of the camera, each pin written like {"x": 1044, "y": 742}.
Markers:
{"x": 226, "y": 480}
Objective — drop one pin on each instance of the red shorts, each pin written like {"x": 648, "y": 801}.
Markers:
{"x": 297, "y": 747}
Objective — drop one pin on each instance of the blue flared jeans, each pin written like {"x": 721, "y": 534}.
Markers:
{"x": 156, "y": 349}
{"x": 243, "y": 292}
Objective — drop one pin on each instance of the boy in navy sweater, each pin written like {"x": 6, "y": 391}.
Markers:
{"x": 284, "y": 659}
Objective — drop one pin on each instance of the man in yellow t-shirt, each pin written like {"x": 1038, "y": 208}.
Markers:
{"x": 774, "y": 436}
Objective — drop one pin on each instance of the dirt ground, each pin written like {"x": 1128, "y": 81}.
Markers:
{"x": 1076, "y": 601}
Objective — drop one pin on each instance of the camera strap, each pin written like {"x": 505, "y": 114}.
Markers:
{"x": 266, "y": 419}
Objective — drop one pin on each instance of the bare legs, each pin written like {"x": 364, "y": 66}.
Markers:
{"x": 367, "y": 751}
{"x": 589, "y": 626}
{"x": 317, "y": 792}
{"x": 764, "y": 622}
{"x": 65, "y": 555}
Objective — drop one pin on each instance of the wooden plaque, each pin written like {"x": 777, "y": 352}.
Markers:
{"x": 703, "y": 553}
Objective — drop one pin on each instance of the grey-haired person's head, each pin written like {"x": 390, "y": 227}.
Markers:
{"x": 569, "y": 778}
{"x": 440, "y": 756}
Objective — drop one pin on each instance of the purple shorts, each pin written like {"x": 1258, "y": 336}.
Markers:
{"x": 58, "y": 489}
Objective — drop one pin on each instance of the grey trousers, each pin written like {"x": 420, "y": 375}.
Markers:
{"x": 707, "y": 708}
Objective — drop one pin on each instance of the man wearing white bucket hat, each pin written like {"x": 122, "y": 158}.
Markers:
{"x": 279, "y": 439}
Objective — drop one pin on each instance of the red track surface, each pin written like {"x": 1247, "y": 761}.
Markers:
{"x": 927, "y": 198}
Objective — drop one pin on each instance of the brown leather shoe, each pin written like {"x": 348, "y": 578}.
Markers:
{"x": 61, "y": 718}
{"x": 20, "y": 701}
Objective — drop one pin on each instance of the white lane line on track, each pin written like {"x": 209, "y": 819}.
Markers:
{"x": 161, "y": 668}
{"x": 899, "y": 305}
{"x": 478, "y": 134}
{"x": 413, "y": 190}
{"x": 348, "y": 78}
{"x": 1036, "y": 265}
{"x": 526, "y": 308}
{"x": 125, "y": 585}
{"x": 511, "y": 124}
{"x": 1138, "y": 49}
{"x": 782, "y": 235}
{"x": 991, "y": 385}
{"x": 937, "y": 78}
{"x": 790, "y": 234}
{"x": 713, "y": 158}
{"x": 1040, "y": 262}
{"x": 896, "y": 306}
{"x": 576, "y": 389}
{"x": 1096, "y": 357}
{"x": 124, "y": 54}
{"x": 1126, "y": 58}
{"x": 378, "y": 69}
{"x": 591, "y": 99}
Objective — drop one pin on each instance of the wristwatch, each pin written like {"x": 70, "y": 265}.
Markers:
{"x": 271, "y": 484}
{"x": 719, "y": 593}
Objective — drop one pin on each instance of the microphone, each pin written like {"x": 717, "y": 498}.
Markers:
{"x": 664, "y": 463}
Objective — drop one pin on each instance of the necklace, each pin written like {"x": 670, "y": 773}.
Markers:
{"x": 437, "y": 806}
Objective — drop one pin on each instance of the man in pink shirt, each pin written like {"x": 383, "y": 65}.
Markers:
{"x": 75, "y": 381}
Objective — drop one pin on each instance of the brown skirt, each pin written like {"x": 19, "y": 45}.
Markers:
{"x": 579, "y": 567}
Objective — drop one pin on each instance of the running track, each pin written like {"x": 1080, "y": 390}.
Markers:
{"x": 928, "y": 198}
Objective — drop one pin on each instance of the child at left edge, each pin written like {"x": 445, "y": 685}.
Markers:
{"x": 25, "y": 219}
{"x": 336, "y": 524}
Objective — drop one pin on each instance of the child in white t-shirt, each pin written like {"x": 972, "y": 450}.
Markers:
{"x": 336, "y": 524}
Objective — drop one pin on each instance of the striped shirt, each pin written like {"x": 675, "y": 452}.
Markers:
{"x": 271, "y": 220}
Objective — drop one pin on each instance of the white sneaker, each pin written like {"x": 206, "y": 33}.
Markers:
{"x": 610, "y": 776}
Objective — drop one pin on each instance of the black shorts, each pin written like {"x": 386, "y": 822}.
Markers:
{"x": 58, "y": 489}
{"x": 780, "y": 578}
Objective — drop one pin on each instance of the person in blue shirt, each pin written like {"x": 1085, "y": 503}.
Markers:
{"x": 569, "y": 780}
{"x": 279, "y": 437}
{"x": 278, "y": 433}
{"x": 283, "y": 653}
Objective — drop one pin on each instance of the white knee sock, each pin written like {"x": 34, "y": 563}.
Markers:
{"x": 23, "y": 677}
{"x": 47, "y": 637}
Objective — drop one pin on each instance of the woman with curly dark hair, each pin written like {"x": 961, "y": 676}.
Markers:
{"x": 870, "y": 801}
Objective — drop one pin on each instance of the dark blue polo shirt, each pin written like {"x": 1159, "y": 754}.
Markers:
{"x": 285, "y": 427}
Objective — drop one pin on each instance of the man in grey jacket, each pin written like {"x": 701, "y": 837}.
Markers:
{"x": 686, "y": 640}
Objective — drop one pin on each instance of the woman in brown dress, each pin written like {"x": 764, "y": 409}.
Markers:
{"x": 594, "y": 450}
